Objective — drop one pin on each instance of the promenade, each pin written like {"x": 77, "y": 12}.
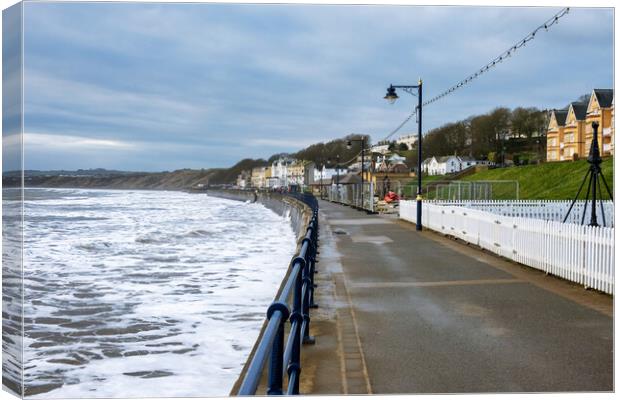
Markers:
{"x": 402, "y": 311}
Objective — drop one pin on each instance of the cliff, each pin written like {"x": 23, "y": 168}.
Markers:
{"x": 181, "y": 179}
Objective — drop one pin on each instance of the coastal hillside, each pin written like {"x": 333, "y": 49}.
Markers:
{"x": 318, "y": 153}
{"x": 180, "y": 179}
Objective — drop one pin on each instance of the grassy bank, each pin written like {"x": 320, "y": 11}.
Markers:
{"x": 550, "y": 181}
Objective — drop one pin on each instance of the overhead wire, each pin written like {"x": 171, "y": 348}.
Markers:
{"x": 493, "y": 63}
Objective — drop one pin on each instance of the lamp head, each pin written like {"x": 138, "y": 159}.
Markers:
{"x": 391, "y": 95}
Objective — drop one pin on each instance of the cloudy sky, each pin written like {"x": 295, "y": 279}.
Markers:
{"x": 165, "y": 86}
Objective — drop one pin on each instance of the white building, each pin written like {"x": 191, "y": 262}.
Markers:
{"x": 280, "y": 172}
{"x": 357, "y": 165}
{"x": 409, "y": 140}
{"x": 380, "y": 147}
{"x": 328, "y": 173}
{"x": 244, "y": 179}
{"x": 449, "y": 164}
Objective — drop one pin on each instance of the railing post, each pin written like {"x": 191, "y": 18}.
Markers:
{"x": 276, "y": 367}
{"x": 308, "y": 284}
{"x": 294, "y": 367}
{"x": 312, "y": 272}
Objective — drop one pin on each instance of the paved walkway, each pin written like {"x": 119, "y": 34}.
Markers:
{"x": 409, "y": 312}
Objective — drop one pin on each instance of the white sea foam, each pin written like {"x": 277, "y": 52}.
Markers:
{"x": 145, "y": 293}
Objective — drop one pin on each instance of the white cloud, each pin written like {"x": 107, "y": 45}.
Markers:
{"x": 65, "y": 107}
{"x": 291, "y": 144}
{"x": 12, "y": 139}
{"x": 72, "y": 143}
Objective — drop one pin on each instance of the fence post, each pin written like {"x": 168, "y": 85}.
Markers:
{"x": 584, "y": 249}
{"x": 371, "y": 197}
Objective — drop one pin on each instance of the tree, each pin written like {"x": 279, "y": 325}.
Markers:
{"x": 403, "y": 147}
{"x": 527, "y": 121}
{"x": 320, "y": 152}
{"x": 435, "y": 143}
{"x": 276, "y": 156}
{"x": 229, "y": 175}
{"x": 482, "y": 135}
{"x": 584, "y": 98}
{"x": 519, "y": 121}
{"x": 500, "y": 119}
{"x": 411, "y": 156}
{"x": 457, "y": 135}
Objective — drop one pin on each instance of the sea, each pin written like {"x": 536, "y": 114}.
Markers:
{"x": 145, "y": 293}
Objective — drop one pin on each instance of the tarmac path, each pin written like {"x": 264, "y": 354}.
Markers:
{"x": 402, "y": 311}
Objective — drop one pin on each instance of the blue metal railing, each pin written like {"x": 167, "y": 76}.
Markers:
{"x": 299, "y": 284}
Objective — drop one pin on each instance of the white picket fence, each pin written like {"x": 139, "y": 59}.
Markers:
{"x": 550, "y": 210}
{"x": 578, "y": 253}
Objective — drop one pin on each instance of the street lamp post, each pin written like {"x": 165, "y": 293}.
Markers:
{"x": 391, "y": 96}
{"x": 321, "y": 181}
{"x": 349, "y": 145}
{"x": 329, "y": 190}
{"x": 338, "y": 178}
{"x": 337, "y": 170}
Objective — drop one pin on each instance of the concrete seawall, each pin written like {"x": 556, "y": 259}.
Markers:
{"x": 300, "y": 215}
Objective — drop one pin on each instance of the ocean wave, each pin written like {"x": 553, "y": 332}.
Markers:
{"x": 198, "y": 233}
{"x": 94, "y": 246}
{"x": 138, "y": 302}
{"x": 149, "y": 239}
{"x": 162, "y": 258}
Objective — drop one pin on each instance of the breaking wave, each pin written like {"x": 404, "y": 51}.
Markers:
{"x": 125, "y": 300}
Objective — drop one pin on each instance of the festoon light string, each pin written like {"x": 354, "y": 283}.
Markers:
{"x": 503, "y": 56}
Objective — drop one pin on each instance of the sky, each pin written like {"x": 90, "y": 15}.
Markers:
{"x": 152, "y": 87}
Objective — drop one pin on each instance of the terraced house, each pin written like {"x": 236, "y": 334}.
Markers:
{"x": 574, "y": 131}
{"x": 569, "y": 134}
{"x": 555, "y": 134}
{"x": 297, "y": 172}
{"x": 600, "y": 109}
{"x": 259, "y": 176}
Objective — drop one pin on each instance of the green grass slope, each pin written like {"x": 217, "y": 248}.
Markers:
{"x": 548, "y": 181}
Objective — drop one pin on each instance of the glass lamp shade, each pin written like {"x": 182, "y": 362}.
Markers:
{"x": 391, "y": 95}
